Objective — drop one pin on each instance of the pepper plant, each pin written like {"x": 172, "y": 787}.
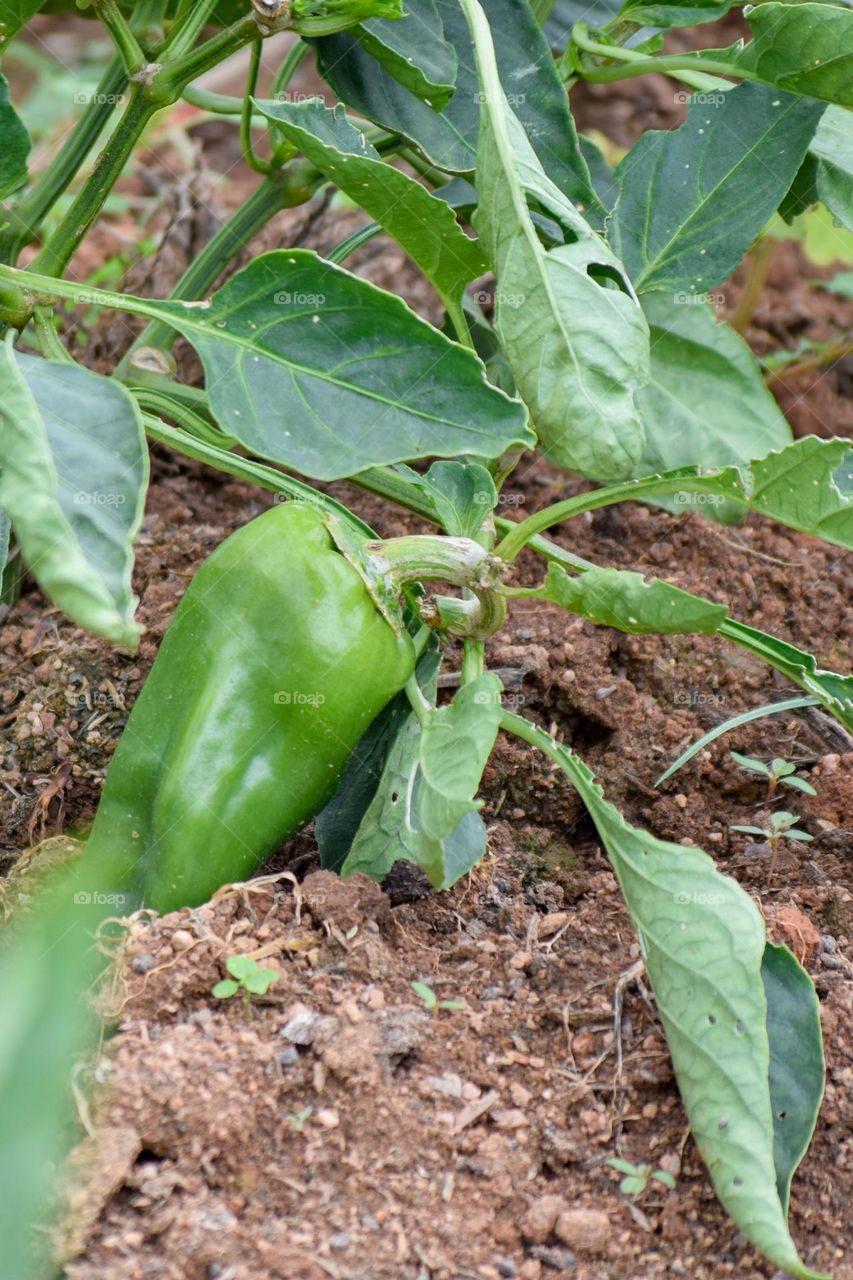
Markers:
{"x": 299, "y": 678}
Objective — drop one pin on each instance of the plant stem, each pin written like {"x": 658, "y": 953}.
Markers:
{"x": 190, "y": 21}
{"x": 260, "y": 166}
{"x": 168, "y": 84}
{"x": 63, "y": 244}
{"x": 129, "y": 50}
{"x": 635, "y": 63}
{"x": 294, "y": 185}
{"x": 758, "y": 264}
{"x": 26, "y": 217}
{"x": 256, "y": 473}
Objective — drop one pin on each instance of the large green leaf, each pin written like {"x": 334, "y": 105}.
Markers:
{"x": 703, "y": 942}
{"x": 625, "y": 600}
{"x": 692, "y": 200}
{"x": 796, "y": 1060}
{"x": 449, "y": 137}
{"x": 73, "y": 471}
{"x": 421, "y": 223}
{"x": 413, "y": 50}
{"x": 804, "y": 48}
{"x": 567, "y": 318}
{"x": 706, "y": 401}
{"x": 15, "y": 146}
{"x": 315, "y": 368}
{"x": 832, "y": 148}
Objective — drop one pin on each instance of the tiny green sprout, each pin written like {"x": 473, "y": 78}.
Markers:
{"x": 638, "y": 1177}
{"x": 431, "y": 1000}
{"x": 297, "y": 1118}
{"x": 781, "y": 828}
{"x": 778, "y": 772}
{"x": 245, "y": 977}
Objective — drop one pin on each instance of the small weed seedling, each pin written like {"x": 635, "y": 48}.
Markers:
{"x": 781, "y": 828}
{"x": 431, "y": 1000}
{"x": 245, "y": 977}
{"x": 638, "y": 1177}
{"x": 297, "y": 1118}
{"x": 778, "y": 772}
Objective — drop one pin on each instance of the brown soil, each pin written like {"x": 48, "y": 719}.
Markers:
{"x": 335, "y": 1128}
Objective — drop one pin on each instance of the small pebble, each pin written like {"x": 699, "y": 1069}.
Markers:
{"x": 182, "y": 939}
{"x": 142, "y": 964}
{"x": 506, "y": 1267}
{"x": 828, "y": 943}
{"x": 830, "y": 961}
{"x": 288, "y": 1056}
{"x": 328, "y": 1118}
{"x": 340, "y": 1240}
{"x": 556, "y": 1259}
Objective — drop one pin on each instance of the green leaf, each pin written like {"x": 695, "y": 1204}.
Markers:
{"x": 15, "y": 14}
{"x": 803, "y": 48}
{"x": 747, "y": 762}
{"x": 421, "y": 223}
{"x": 240, "y": 967}
{"x": 336, "y": 826}
{"x": 259, "y": 981}
{"x": 625, "y": 600}
{"x": 73, "y": 471}
{"x": 805, "y": 485}
{"x": 314, "y": 368}
{"x": 703, "y": 943}
{"x": 426, "y": 994}
{"x": 449, "y": 138}
{"x": 687, "y": 14}
{"x": 693, "y": 200}
{"x": 799, "y": 784}
{"x": 462, "y": 493}
{"x": 225, "y": 989}
{"x": 455, "y": 744}
{"x": 796, "y": 1060}
{"x": 567, "y": 318}
{"x": 751, "y": 831}
{"x": 706, "y": 401}
{"x": 391, "y": 828}
{"x": 832, "y": 149}
{"x": 413, "y": 50}
{"x": 16, "y": 143}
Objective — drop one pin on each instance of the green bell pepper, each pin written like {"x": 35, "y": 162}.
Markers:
{"x": 276, "y": 662}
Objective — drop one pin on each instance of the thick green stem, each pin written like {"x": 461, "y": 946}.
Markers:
{"x": 294, "y": 185}
{"x": 522, "y": 532}
{"x": 633, "y": 59}
{"x": 429, "y": 557}
{"x": 63, "y": 244}
{"x": 260, "y": 166}
{"x": 169, "y": 83}
{"x": 257, "y": 473}
{"x": 26, "y": 217}
{"x": 289, "y": 66}
{"x": 129, "y": 50}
